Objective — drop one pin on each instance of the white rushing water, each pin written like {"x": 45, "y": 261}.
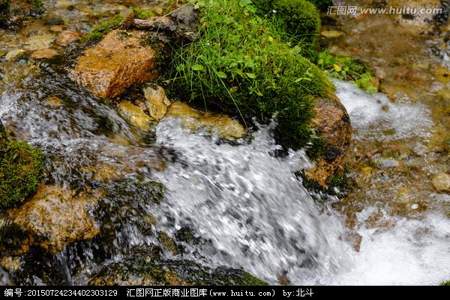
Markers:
{"x": 250, "y": 205}
{"x": 257, "y": 215}
{"x": 374, "y": 115}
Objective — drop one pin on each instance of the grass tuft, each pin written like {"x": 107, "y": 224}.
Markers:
{"x": 240, "y": 65}
{"x": 346, "y": 68}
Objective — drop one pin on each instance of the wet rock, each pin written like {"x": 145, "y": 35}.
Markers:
{"x": 56, "y": 216}
{"x": 44, "y": 54}
{"x": 4, "y": 278}
{"x": 134, "y": 115}
{"x": 331, "y": 34}
{"x": 195, "y": 120}
{"x": 147, "y": 269}
{"x": 39, "y": 42}
{"x": 119, "y": 61}
{"x": 10, "y": 263}
{"x": 386, "y": 163}
{"x": 168, "y": 243}
{"x": 15, "y": 54}
{"x": 67, "y": 37}
{"x": 54, "y": 102}
{"x": 441, "y": 182}
{"x": 332, "y": 124}
{"x": 177, "y": 28}
{"x": 15, "y": 12}
{"x": 156, "y": 102}
{"x": 124, "y": 214}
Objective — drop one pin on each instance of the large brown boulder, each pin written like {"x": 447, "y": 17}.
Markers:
{"x": 119, "y": 61}
{"x": 56, "y": 216}
{"x": 332, "y": 123}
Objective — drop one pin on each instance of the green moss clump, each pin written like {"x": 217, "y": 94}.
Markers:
{"x": 301, "y": 19}
{"x": 446, "y": 283}
{"x": 241, "y": 66}
{"x": 102, "y": 28}
{"x": 20, "y": 171}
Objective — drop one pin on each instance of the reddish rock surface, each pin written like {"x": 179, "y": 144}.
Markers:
{"x": 119, "y": 61}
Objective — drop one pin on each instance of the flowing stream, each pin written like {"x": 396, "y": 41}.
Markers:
{"x": 244, "y": 204}
{"x": 244, "y": 200}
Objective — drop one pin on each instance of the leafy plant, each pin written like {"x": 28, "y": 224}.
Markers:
{"x": 241, "y": 66}
{"x": 346, "y": 68}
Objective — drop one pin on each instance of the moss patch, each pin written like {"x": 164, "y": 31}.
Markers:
{"x": 299, "y": 19}
{"x": 102, "y": 28}
{"x": 241, "y": 66}
{"x": 20, "y": 171}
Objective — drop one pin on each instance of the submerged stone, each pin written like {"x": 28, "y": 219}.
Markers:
{"x": 119, "y": 61}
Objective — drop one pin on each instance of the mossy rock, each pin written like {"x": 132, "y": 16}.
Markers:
{"x": 151, "y": 270}
{"x": 20, "y": 171}
{"x": 241, "y": 66}
{"x": 102, "y": 28}
{"x": 298, "y": 18}
{"x": 301, "y": 19}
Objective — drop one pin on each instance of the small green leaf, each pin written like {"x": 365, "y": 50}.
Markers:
{"x": 221, "y": 75}
{"x": 251, "y": 75}
{"x": 337, "y": 68}
{"x": 198, "y": 68}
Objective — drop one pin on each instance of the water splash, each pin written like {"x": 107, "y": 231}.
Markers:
{"x": 374, "y": 115}
{"x": 258, "y": 216}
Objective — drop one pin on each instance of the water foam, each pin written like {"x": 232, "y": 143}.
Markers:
{"x": 374, "y": 115}
{"x": 258, "y": 216}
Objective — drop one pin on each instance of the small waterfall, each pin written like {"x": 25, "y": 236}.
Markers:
{"x": 240, "y": 198}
